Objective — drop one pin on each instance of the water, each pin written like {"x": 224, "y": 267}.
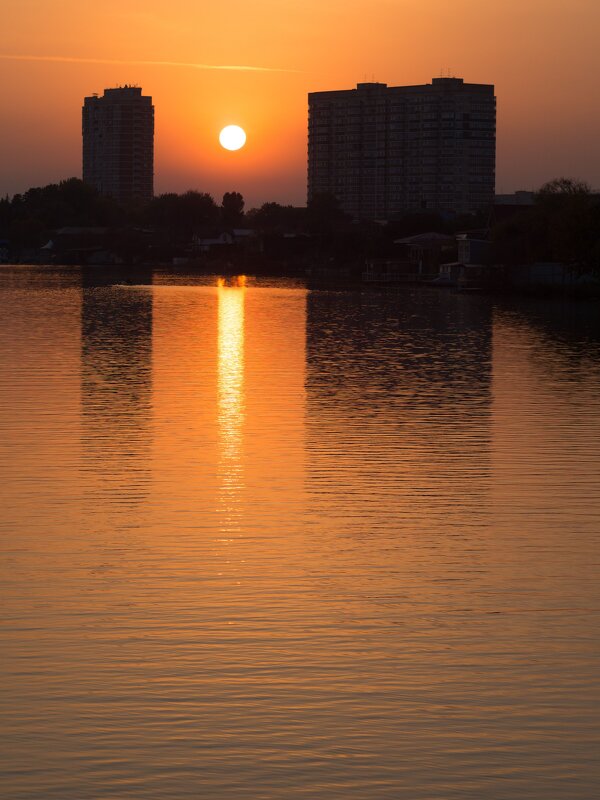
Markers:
{"x": 266, "y": 542}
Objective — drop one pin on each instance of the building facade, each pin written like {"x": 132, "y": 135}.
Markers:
{"x": 387, "y": 149}
{"x": 118, "y": 144}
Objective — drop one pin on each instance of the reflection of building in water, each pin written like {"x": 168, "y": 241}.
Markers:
{"x": 230, "y": 387}
{"x": 398, "y": 399}
{"x": 116, "y": 389}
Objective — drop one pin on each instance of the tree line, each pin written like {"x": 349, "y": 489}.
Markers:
{"x": 28, "y": 219}
{"x": 563, "y": 224}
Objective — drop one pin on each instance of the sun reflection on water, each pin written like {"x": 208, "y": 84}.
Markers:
{"x": 231, "y": 400}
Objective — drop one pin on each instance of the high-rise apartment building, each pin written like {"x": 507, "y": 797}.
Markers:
{"x": 384, "y": 149}
{"x": 118, "y": 143}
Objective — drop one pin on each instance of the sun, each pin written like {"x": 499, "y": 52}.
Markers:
{"x": 232, "y": 137}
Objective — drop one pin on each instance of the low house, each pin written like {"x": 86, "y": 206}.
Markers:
{"x": 473, "y": 249}
{"x": 210, "y": 244}
{"x": 77, "y": 245}
{"x": 236, "y": 237}
{"x": 426, "y": 251}
{"x": 472, "y": 268}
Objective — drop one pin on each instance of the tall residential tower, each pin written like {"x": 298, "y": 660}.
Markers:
{"x": 118, "y": 144}
{"x": 383, "y": 150}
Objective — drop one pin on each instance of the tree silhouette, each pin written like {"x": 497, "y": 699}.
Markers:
{"x": 563, "y": 226}
{"x": 273, "y": 218}
{"x": 182, "y": 215}
{"x": 29, "y": 218}
{"x": 232, "y": 209}
{"x": 569, "y": 220}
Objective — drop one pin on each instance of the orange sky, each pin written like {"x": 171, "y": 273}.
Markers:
{"x": 542, "y": 55}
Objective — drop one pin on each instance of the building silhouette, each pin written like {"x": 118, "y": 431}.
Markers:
{"x": 118, "y": 143}
{"x": 385, "y": 149}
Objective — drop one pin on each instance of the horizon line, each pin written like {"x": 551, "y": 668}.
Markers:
{"x": 140, "y": 62}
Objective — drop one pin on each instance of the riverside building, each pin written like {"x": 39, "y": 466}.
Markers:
{"x": 118, "y": 143}
{"x": 385, "y": 149}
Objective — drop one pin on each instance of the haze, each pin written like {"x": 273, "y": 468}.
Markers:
{"x": 542, "y": 56}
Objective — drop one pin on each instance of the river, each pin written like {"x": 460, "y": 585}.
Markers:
{"x": 261, "y": 541}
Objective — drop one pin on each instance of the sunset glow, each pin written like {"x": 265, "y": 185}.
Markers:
{"x": 201, "y": 65}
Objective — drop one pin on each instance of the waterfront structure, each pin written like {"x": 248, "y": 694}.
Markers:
{"x": 386, "y": 149}
{"x": 118, "y": 143}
